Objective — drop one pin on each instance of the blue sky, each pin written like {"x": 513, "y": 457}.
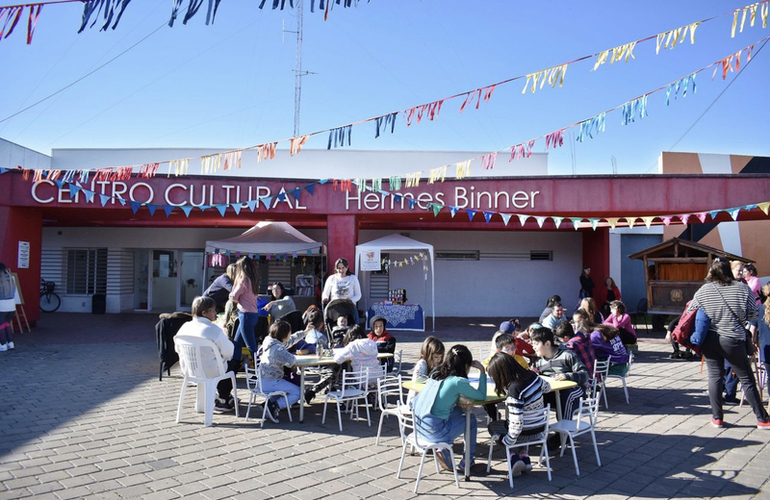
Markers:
{"x": 231, "y": 85}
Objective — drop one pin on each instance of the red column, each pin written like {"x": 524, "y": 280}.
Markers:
{"x": 23, "y": 224}
{"x": 596, "y": 254}
{"x": 342, "y": 238}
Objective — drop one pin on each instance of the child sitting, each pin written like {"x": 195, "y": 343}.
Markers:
{"x": 506, "y": 344}
{"x": 523, "y": 390}
{"x": 361, "y": 352}
{"x": 559, "y": 363}
{"x": 339, "y": 331}
{"x": 385, "y": 342}
{"x": 314, "y": 326}
{"x": 620, "y": 319}
{"x": 273, "y": 359}
{"x": 437, "y": 417}
{"x": 431, "y": 355}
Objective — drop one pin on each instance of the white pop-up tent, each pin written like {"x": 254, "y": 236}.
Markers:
{"x": 268, "y": 238}
{"x": 397, "y": 244}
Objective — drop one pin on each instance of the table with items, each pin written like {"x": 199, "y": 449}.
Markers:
{"x": 409, "y": 317}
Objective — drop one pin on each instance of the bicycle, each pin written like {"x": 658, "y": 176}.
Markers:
{"x": 49, "y": 300}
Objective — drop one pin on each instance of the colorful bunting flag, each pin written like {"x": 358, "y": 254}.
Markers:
{"x": 551, "y": 75}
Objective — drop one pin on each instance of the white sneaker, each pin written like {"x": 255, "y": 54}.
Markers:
{"x": 518, "y": 468}
{"x": 3, "y": 347}
{"x": 10, "y": 345}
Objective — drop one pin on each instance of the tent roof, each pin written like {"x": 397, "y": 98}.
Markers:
{"x": 267, "y": 238}
{"x": 395, "y": 242}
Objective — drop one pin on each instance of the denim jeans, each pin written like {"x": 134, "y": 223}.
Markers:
{"x": 731, "y": 381}
{"x": 717, "y": 349}
{"x": 291, "y": 390}
{"x": 245, "y": 335}
{"x": 446, "y": 431}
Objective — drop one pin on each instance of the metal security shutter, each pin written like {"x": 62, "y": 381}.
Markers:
{"x": 279, "y": 271}
{"x": 86, "y": 271}
{"x": 379, "y": 283}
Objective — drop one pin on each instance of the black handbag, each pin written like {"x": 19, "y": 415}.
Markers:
{"x": 749, "y": 337}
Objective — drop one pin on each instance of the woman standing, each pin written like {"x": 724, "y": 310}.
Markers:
{"x": 729, "y": 304}
{"x": 586, "y": 283}
{"x": 7, "y": 307}
{"x": 244, "y": 294}
{"x": 342, "y": 285}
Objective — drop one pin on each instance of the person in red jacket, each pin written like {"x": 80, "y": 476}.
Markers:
{"x": 385, "y": 341}
{"x": 606, "y": 295}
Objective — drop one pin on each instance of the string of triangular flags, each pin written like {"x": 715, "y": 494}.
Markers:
{"x": 577, "y": 221}
{"x": 221, "y": 257}
{"x": 111, "y": 12}
{"x": 342, "y": 136}
{"x": 589, "y": 128}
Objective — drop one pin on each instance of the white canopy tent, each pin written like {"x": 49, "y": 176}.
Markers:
{"x": 397, "y": 244}
{"x": 268, "y": 238}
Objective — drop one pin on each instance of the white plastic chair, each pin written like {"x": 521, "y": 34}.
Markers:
{"x": 254, "y": 384}
{"x": 532, "y": 418}
{"x": 195, "y": 355}
{"x": 623, "y": 378}
{"x": 388, "y": 388}
{"x": 354, "y": 388}
{"x": 601, "y": 369}
{"x": 584, "y": 421}
{"x": 397, "y": 361}
{"x": 406, "y": 424}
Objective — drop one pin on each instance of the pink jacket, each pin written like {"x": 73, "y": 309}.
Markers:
{"x": 622, "y": 322}
{"x": 244, "y": 296}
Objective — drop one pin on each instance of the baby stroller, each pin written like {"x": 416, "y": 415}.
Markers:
{"x": 333, "y": 310}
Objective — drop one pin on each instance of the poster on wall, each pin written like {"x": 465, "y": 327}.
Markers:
{"x": 370, "y": 261}
{"x": 23, "y": 262}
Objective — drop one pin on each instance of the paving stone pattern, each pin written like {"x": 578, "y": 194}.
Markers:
{"x": 84, "y": 416}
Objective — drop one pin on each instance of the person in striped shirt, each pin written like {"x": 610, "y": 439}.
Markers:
{"x": 523, "y": 390}
{"x": 730, "y": 305}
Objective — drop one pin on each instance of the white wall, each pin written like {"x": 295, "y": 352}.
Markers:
{"x": 345, "y": 164}
{"x": 13, "y": 155}
{"x": 493, "y": 287}
{"x": 502, "y": 283}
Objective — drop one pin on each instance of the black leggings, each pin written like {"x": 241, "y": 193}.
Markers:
{"x": 717, "y": 349}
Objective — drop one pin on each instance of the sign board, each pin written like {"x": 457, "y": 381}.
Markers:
{"x": 370, "y": 261}
{"x": 23, "y": 262}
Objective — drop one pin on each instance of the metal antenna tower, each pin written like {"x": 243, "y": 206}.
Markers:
{"x": 298, "y": 73}
{"x": 614, "y": 162}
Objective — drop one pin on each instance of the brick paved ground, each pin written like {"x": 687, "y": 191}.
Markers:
{"x": 83, "y": 415}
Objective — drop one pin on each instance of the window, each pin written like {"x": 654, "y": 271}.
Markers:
{"x": 457, "y": 255}
{"x": 86, "y": 271}
{"x": 540, "y": 255}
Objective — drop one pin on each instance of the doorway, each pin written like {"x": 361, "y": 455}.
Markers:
{"x": 191, "y": 271}
{"x": 164, "y": 295}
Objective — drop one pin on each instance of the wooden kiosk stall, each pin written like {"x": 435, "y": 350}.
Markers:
{"x": 675, "y": 270}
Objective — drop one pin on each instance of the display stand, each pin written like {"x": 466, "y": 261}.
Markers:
{"x": 19, "y": 299}
{"x": 405, "y": 317}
